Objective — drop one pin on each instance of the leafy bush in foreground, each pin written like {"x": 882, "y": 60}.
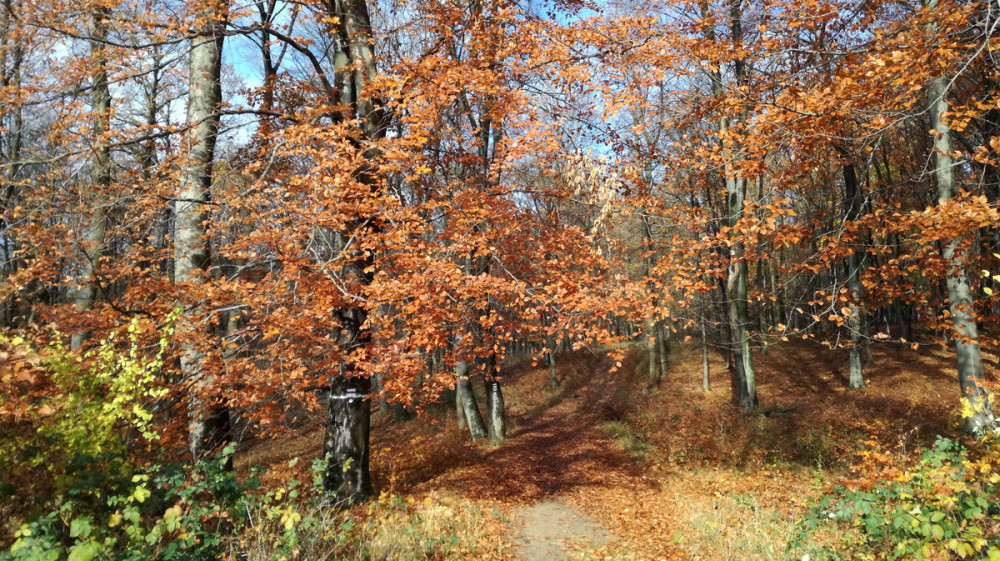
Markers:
{"x": 76, "y": 487}
{"x": 166, "y": 513}
{"x": 173, "y": 515}
{"x": 948, "y": 506}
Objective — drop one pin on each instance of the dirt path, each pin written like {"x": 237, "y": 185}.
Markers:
{"x": 550, "y": 526}
{"x": 567, "y": 480}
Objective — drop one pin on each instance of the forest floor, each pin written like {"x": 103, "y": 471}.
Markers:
{"x": 605, "y": 467}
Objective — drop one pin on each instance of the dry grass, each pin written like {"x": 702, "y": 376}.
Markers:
{"x": 390, "y": 528}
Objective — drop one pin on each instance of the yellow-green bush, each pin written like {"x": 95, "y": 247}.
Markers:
{"x": 65, "y": 415}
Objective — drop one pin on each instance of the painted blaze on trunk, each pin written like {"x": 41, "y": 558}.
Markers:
{"x": 345, "y": 442}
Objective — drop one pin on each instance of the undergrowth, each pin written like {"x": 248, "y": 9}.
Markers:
{"x": 628, "y": 441}
{"x": 77, "y": 484}
{"x": 947, "y": 505}
{"x": 282, "y": 524}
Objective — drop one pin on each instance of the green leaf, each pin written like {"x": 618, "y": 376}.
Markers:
{"x": 80, "y": 528}
{"x": 131, "y": 514}
{"x": 84, "y": 551}
{"x": 24, "y": 531}
{"x": 937, "y": 532}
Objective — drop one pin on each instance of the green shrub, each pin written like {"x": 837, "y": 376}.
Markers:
{"x": 946, "y": 507}
{"x": 167, "y": 513}
{"x": 72, "y": 465}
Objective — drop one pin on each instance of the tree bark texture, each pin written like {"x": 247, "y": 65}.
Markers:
{"x": 663, "y": 346}
{"x": 494, "y": 402}
{"x": 550, "y": 341}
{"x": 980, "y": 419}
{"x": 12, "y": 50}
{"x": 706, "y": 384}
{"x": 354, "y": 67}
{"x": 470, "y": 409}
{"x": 652, "y": 350}
{"x": 856, "y": 319}
{"x": 346, "y": 439}
{"x": 745, "y": 393}
{"x": 191, "y": 252}
{"x": 93, "y": 242}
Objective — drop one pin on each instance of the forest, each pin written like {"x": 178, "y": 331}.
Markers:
{"x": 499, "y": 279}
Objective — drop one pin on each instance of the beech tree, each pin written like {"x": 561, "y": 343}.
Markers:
{"x": 209, "y": 421}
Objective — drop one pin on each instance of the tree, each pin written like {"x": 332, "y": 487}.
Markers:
{"x": 979, "y": 418}
{"x": 101, "y": 114}
{"x": 209, "y": 419}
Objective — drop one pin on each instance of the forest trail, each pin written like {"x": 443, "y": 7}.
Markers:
{"x": 555, "y": 447}
{"x": 565, "y": 480}
{"x": 549, "y": 526}
{"x": 566, "y": 487}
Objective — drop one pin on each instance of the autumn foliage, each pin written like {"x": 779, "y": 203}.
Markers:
{"x": 219, "y": 218}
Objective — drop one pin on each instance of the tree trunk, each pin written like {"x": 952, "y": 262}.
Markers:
{"x": 736, "y": 189}
{"x": 980, "y": 418}
{"x": 705, "y": 383}
{"x": 399, "y": 412}
{"x": 93, "y": 244}
{"x": 735, "y": 289}
{"x": 652, "y": 348}
{"x": 663, "y": 346}
{"x": 477, "y": 428}
{"x": 720, "y": 310}
{"x": 10, "y": 78}
{"x": 147, "y": 161}
{"x": 459, "y": 406}
{"x": 777, "y": 311}
{"x": 652, "y": 328}
{"x": 191, "y": 252}
{"x": 383, "y": 401}
{"x": 739, "y": 321}
{"x": 354, "y": 66}
{"x": 346, "y": 439}
{"x": 856, "y": 319}
{"x": 553, "y": 375}
{"x": 494, "y": 402}
{"x": 903, "y": 320}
